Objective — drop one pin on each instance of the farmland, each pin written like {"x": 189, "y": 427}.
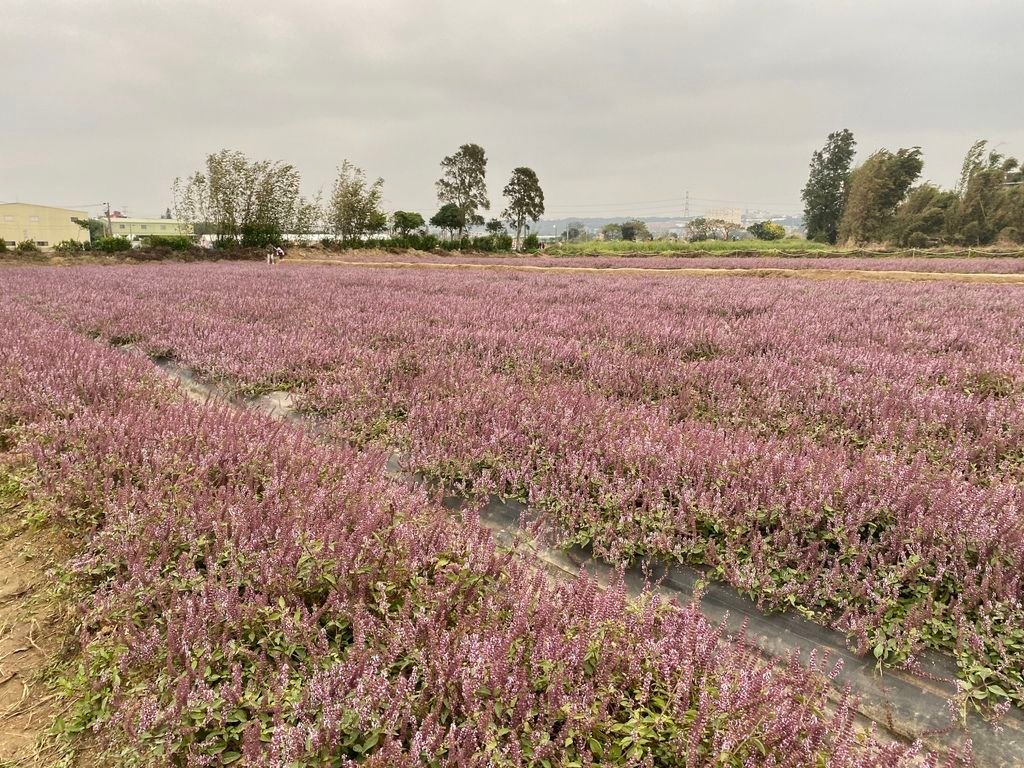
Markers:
{"x": 959, "y": 264}
{"x": 850, "y": 451}
{"x": 684, "y": 246}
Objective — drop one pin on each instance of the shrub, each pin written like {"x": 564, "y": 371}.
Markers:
{"x": 493, "y": 243}
{"x": 113, "y": 244}
{"x": 484, "y": 243}
{"x": 69, "y": 246}
{"x": 1011, "y": 235}
{"x": 424, "y": 242}
{"x": 3, "y": 245}
{"x": 27, "y": 246}
{"x": 173, "y": 242}
{"x": 531, "y": 243}
{"x": 767, "y": 230}
{"x": 260, "y": 235}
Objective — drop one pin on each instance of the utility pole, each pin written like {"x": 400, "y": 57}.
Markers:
{"x": 686, "y": 210}
{"x": 110, "y": 227}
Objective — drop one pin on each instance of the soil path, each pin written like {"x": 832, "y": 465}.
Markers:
{"x": 30, "y": 633}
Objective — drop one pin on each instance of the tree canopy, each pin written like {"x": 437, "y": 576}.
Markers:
{"x": 525, "y": 201}
{"x": 703, "y": 228}
{"x": 635, "y": 229}
{"x": 825, "y": 192}
{"x": 767, "y": 230}
{"x": 449, "y": 219}
{"x": 876, "y": 188}
{"x": 464, "y": 184}
{"x": 243, "y": 199}
{"x": 354, "y": 210}
{"x": 404, "y": 223}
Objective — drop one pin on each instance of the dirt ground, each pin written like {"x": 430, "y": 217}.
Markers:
{"x": 31, "y": 633}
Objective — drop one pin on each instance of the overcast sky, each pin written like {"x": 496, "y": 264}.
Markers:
{"x": 621, "y": 107}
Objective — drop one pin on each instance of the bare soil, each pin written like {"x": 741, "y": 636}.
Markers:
{"x": 32, "y": 632}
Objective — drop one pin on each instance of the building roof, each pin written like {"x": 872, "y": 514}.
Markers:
{"x": 37, "y": 205}
{"x": 135, "y": 220}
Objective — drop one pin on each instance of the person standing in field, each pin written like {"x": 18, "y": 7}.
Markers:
{"x": 278, "y": 253}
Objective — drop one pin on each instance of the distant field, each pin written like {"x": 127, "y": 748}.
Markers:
{"x": 818, "y": 262}
{"x": 790, "y": 248}
{"x": 666, "y": 246}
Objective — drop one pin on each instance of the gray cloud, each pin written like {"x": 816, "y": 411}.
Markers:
{"x": 612, "y": 103}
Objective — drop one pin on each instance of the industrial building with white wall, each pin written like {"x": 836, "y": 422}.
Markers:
{"x": 43, "y": 225}
{"x": 140, "y": 229}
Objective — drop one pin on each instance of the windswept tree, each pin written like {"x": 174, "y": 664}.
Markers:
{"x": 924, "y": 218}
{"x": 464, "y": 184}
{"x": 875, "y": 191}
{"x": 825, "y": 193}
{"x": 252, "y": 201}
{"x": 354, "y": 210}
{"x": 525, "y": 202}
{"x": 449, "y": 219}
{"x": 990, "y": 198}
{"x": 404, "y": 223}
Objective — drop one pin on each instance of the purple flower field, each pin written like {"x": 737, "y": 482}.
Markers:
{"x": 252, "y": 596}
{"x": 853, "y": 451}
{"x": 979, "y": 264}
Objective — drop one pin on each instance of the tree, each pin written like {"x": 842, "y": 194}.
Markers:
{"x": 767, "y": 230}
{"x": 97, "y": 228}
{"x": 167, "y": 215}
{"x": 612, "y": 231}
{"x": 876, "y": 188}
{"x": 464, "y": 184}
{"x": 236, "y": 195}
{"x": 309, "y": 216}
{"x": 376, "y": 222}
{"x": 701, "y": 229}
{"x": 354, "y": 209}
{"x": 923, "y": 219}
{"x": 575, "y": 231}
{"x": 825, "y": 193}
{"x": 635, "y": 229}
{"x": 525, "y": 201}
{"x": 495, "y": 227}
{"x": 404, "y": 223}
{"x": 449, "y": 219}
{"x": 990, "y": 198}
